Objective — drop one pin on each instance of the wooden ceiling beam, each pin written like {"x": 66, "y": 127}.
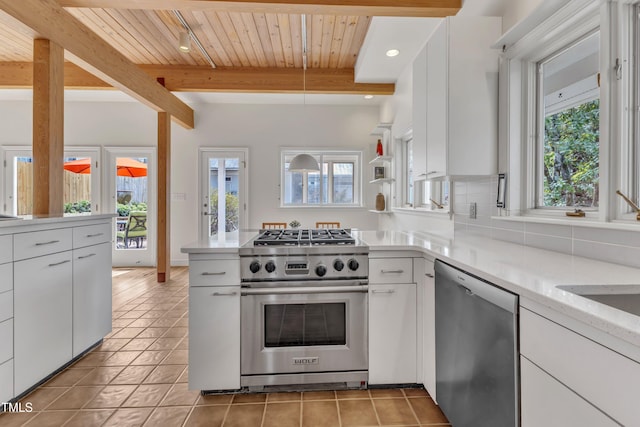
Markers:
{"x": 48, "y": 20}
{"x": 423, "y": 8}
{"x": 205, "y": 79}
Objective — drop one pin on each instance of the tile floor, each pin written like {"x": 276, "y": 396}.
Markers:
{"x": 138, "y": 376}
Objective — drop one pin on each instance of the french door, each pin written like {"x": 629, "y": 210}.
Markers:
{"x": 131, "y": 189}
{"x": 223, "y": 192}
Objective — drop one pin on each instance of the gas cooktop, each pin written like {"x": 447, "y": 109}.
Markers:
{"x": 305, "y": 237}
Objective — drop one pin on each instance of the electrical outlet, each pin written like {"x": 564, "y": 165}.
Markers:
{"x": 473, "y": 210}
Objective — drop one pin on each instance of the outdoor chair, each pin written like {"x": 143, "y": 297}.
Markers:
{"x": 327, "y": 225}
{"x": 273, "y": 225}
{"x": 134, "y": 230}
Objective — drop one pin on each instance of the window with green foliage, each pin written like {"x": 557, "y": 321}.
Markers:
{"x": 569, "y": 146}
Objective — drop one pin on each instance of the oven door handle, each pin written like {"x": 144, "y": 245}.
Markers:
{"x": 305, "y": 290}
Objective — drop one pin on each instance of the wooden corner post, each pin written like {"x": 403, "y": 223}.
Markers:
{"x": 164, "y": 197}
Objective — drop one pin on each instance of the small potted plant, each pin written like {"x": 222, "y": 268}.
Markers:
{"x": 294, "y": 224}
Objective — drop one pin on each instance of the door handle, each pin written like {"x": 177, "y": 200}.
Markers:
{"x": 387, "y": 291}
{"x": 430, "y": 275}
{"x": 219, "y": 273}
{"x": 59, "y": 263}
{"x": 224, "y": 294}
{"x": 391, "y": 271}
{"x": 94, "y": 235}
{"x": 51, "y": 242}
{"x": 86, "y": 256}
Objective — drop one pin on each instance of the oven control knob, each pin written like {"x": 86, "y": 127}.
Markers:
{"x": 321, "y": 270}
{"x": 270, "y": 267}
{"x": 353, "y": 264}
{"x": 254, "y": 266}
{"x": 338, "y": 265}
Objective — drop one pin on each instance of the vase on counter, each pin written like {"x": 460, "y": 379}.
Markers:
{"x": 380, "y": 205}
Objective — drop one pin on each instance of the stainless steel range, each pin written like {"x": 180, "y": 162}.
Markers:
{"x": 304, "y": 309}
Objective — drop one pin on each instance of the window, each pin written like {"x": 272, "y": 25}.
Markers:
{"x": 336, "y": 184}
{"x": 568, "y": 123}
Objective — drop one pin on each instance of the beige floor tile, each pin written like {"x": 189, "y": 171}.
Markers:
{"x": 176, "y": 332}
{"x": 128, "y": 417}
{"x": 394, "y": 412}
{"x": 165, "y": 374}
{"x": 165, "y": 344}
{"x": 75, "y": 398}
{"x": 89, "y": 418}
{"x": 122, "y": 358}
{"x": 356, "y": 412}
{"x": 207, "y": 416}
{"x": 282, "y": 414}
{"x": 180, "y": 395}
{"x": 42, "y": 397}
{"x": 415, "y": 392}
{"x": 141, "y": 323}
{"x": 353, "y": 394}
{"x": 95, "y": 358}
{"x": 153, "y": 333}
{"x": 152, "y": 314}
{"x": 182, "y": 322}
{"x": 427, "y": 411}
{"x": 133, "y": 314}
{"x": 168, "y": 417}
{"x": 68, "y": 377}
{"x": 138, "y": 344}
{"x": 164, "y": 322}
{"x": 147, "y": 395}
{"x": 319, "y": 395}
{"x": 101, "y": 375}
{"x": 177, "y": 357}
{"x": 184, "y": 378}
{"x": 151, "y": 357}
{"x": 377, "y": 393}
{"x": 51, "y": 418}
{"x": 183, "y": 345}
{"x": 215, "y": 399}
{"x": 133, "y": 375}
{"x": 284, "y": 397}
{"x": 121, "y": 323}
{"x": 112, "y": 396}
{"x": 250, "y": 398}
{"x": 244, "y": 415}
{"x": 320, "y": 414}
{"x": 112, "y": 344}
{"x": 8, "y": 419}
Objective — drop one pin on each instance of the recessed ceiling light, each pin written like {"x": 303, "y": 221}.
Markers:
{"x": 368, "y": 97}
{"x": 185, "y": 42}
{"x": 393, "y": 52}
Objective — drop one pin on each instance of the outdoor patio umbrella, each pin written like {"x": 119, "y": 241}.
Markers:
{"x": 126, "y": 166}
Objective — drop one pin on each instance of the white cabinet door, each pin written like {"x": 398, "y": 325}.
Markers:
{"x": 429, "y": 325}
{"x": 214, "y": 338}
{"x": 91, "y": 295}
{"x": 547, "y": 402}
{"x": 6, "y": 381}
{"x": 392, "y": 334}
{"x": 437, "y": 102}
{"x": 42, "y": 317}
{"x": 419, "y": 115}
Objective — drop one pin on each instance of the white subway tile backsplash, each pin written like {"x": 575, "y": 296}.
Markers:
{"x": 617, "y": 254}
{"x": 551, "y": 243}
{"x": 479, "y": 230}
{"x": 548, "y": 229}
{"x": 619, "y": 237}
{"x": 508, "y": 225}
{"x": 508, "y": 235}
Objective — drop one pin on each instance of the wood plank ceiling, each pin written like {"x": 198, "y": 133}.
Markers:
{"x": 259, "y": 51}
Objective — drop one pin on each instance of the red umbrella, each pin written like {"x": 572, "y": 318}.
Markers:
{"x": 126, "y": 166}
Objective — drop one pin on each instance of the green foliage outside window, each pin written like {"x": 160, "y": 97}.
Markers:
{"x": 572, "y": 156}
{"x": 231, "y": 213}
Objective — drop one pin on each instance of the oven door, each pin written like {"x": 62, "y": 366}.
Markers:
{"x": 304, "y": 329}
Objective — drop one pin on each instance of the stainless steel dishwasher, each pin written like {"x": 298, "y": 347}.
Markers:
{"x": 477, "y": 369}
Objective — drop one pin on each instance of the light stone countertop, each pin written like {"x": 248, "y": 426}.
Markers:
{"x": 9, "y": 225}
{"x": 529, "y": 272}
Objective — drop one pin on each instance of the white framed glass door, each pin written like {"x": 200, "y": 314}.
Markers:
{"x": 18, "y": 181}
{"x": 131, "y": 176}
{"x": 222, "y": 170}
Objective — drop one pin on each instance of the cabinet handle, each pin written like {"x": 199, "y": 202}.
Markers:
{"x": 59, "y": 263}
{"x": 224, "y": 294}
{"x": 391, "y": 271}
{"x": 423, "y": 174}
{"x": 430, "y": 275}
{"x": 94, "y": 235}
{"x": 388, "y": 291}
{"x": 219, "y": 273}
{"x": 47, "y": 243}
{"x": 86, "y": 256}
{"x": 431, "y": 172}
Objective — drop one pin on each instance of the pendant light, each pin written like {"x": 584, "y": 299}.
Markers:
{"x": 304, "y": 162}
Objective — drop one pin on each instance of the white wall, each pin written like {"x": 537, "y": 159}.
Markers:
{"x": 263, "y": 129}
{"x": 516, "y": 10}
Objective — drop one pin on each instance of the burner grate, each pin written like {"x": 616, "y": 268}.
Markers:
{"x": 291, "y": 237}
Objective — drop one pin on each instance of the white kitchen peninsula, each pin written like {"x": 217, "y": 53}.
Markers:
{"x": 558, "y": 330}
{"x": 55, "y": 296}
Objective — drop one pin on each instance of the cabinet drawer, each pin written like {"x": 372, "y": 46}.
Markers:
{"x": 6, "y": 381}
{"x": 214, "y": 273}
{"x": 6, "y": 272}
{"x": 6, "y": 338}
{"x": 91, "y": 235}
{"x": 6, "y": 306}
{"x": 6, "y": 248}
{"x": 586, "y": 367}
{"x": 390, "y": 270}
{"x": 34, "y": 244}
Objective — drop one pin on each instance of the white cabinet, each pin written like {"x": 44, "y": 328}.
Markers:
{"x": 214, "y": 338}
{"x": 91, "y": 295}
{"x": 42, "y": 317}
{"x": 455, "y": 100}
{"x": 214, "y": 272}
{"x": 547, "y": 402}
{"x": 429, "y": 328}
{"x": 6, "y": 381}
{"x": 590, "y": 371}
{"x": 392, "y": 333}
